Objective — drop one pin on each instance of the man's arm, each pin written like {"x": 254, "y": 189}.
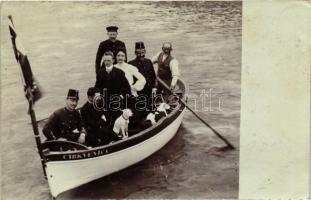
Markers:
{"x": 49, "y": 127}
{"x": 174, "y": 67}
{"x": 86, "y": 118}
{"x": 99, "y": 55}
{"x": 155, "y": 58}
{"x": 80, "y": 122}
{"x": 81, "y": 129}
{"x": 141, "y": 81}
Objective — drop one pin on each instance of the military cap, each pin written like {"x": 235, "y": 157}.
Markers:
{"x": 73, "y": 94}
{"x": 112, "y": 29}
{"x": 139, "y": 45}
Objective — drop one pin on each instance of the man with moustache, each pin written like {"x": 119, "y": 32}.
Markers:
{"x": 113, "y": 84}
{"x": 145, "y": 67}
{"x": 65, "y": 123}
{"x": 168, "y": 69}
{"x": 111, "y": 44}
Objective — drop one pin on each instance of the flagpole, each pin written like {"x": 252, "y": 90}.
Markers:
{"x": 32, "y": 91}
{"x": 35, "y": 128}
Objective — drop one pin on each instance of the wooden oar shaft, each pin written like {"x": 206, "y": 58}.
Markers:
{"x": 209, "y": 126}
{"x": 195, "y": 114}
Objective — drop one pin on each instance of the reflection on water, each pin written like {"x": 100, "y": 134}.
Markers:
{"x": 62, "y": 39}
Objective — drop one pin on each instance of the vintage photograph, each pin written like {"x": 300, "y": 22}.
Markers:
{"x": 120, "y": 100}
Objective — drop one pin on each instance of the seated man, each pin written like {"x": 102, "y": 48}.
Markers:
{"x": 96, "y": 121}
{"x": 65, "y": 123}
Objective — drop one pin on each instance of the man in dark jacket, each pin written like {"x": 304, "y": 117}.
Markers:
{"x": 96, "y": 121}
{"x": 145, "y": 67}
{"x": 114, "y": 86}
{"x": 65, "y": 123}
{"x": 112, "y": 44}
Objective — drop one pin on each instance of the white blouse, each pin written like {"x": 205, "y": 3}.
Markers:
{"x": 131, "y": 72}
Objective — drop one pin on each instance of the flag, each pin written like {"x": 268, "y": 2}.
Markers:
{"x": 31, "y": 87}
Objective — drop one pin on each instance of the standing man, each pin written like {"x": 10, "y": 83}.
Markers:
{"x": 168, "y": 69}
{"x": 113, "y": 84}
{"x": 65, "y": 123}
{"x": 112, "y": 44}
{"x": 145, "y": 67}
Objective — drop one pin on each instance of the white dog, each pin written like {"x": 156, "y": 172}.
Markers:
{"x": 152, "y": 118}
{"x": 163, "y": 107}
{"x": 122, "y": 122}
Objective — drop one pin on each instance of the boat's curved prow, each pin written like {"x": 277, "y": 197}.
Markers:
{"x": 67, "y": 170}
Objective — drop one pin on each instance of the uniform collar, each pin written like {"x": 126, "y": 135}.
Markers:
{"x": 112, "y": 41}
{"x": 139, "y": 60}
{"x": 67, "y": 110}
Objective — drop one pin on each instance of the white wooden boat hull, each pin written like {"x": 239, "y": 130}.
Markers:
{"x": 65, "y": 175}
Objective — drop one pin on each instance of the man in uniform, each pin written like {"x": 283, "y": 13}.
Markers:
{"x": 65, "y": 123}
{"x": 111, "y": 44}
{"x": 113, "y": 84}
{"x": 145, "y": 67}
{"x": 167, "y": 65}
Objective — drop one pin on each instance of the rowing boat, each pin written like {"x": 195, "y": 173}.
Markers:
{"x": 69, "y": 169}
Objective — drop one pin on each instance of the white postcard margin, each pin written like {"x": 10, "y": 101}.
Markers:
{"x": 275, "y": 100}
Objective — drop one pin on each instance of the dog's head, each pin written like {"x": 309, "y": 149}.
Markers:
{"x": 127, "y": 113}
{"x": 163, "y": 107}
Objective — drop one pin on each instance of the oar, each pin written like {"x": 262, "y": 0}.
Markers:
{"x": 229, "y": 145}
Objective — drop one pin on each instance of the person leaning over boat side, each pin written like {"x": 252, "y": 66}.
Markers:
{"x": 65, "y": 123}
{"x": 113, "y": 81}
{"x": 145, "y": 67}
{"x": 168, "y": 69}
{"x": 111, "y": 44}
{"x": 95, "y": 121}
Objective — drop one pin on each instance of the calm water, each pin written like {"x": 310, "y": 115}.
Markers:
{"x": 62, "y": 38}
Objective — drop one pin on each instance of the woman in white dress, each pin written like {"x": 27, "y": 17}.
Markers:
{"x": 130, "y": 72}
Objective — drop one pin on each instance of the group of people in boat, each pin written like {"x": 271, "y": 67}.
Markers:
{"x": 122, "y": 90}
